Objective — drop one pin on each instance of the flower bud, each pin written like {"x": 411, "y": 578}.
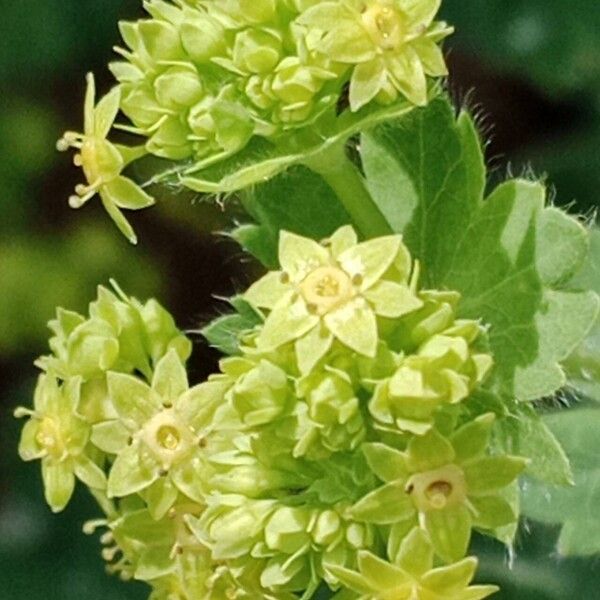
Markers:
{"x": 178, "y": 87}
{"x": 256, "y": 51}
{"x": 203, "y": 37}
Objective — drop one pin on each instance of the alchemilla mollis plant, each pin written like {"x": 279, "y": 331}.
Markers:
{"x": 375, "y": 404}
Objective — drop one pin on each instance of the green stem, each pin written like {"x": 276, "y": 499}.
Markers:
{"x": 344, "y": 178}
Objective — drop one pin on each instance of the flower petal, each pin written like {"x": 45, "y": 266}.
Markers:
{"x": 429, "y": 452}
{"x": 125, "y": 193}
{"x": 311, "y": 347}
{"x": 267, "y": 291}
{"x": 110, "y": 436}
{"x": 492, "y": 473}
{"x": 348, "y": 42}
{"x": 355, "y": 326}
{"x": 421, "y": 12}
{"x": 299, "y": 255}
{"x": 59, "y": 483}
{"x": 118, "y": 218}
{"x": 386, "y": 462}
{"x": 371, "y": 259}
{"x": 453, "y": 578}
{"x": 492, "y": 512}
{"x": 351, "y": 579}
{"x": 471, "y": 440}
{"x": 128, "y": 475}
{"x": 450, "y": 531}
{"x": 106, "y": 111}
{"x": 170, "y": 377}
{"x": 287, "y": 322}
{"x": 385, "y": 505}
{"x": 431, "y": 57}
{"x": 29, "y": 449}
{"x": 343, "y": 238}
{"x": 368, "y": 78}
{"x": 190, "y": 480}
{"x": 392, "y": 300}
{"x": 160, "y": 496}
{"x": 133, "y": 400}
{"x": 416, "y": 553}
{"x": 197, "y": 406}
{"x": 89, "y": 104}
{"x": 380, "y": 574}
{"x": 408, "y": 75}
{"x": 90, "y": 473}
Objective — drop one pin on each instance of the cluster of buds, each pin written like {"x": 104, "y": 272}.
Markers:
{"x": 203, "y": 80}
{"x": 339, "y": 447}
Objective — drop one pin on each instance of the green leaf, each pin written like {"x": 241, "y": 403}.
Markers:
{"x": 526, "y": 434}
{"x": 583, "y": 366}
{"x": 576, "y": 508}
{"x": 493, "y": 251}
{"x": 223, "y": 333}
{"x": 298, "y": 201}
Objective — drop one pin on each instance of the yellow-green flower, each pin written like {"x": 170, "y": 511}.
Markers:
{"x": 410, "y": 575}
{"x": 58, "y": 435}
{"x": 102, "y": 161}
{"x": 447, "y": 486}
{"x": 158, "y": 437}
{"x": 444, "y": 370}
{"x": 391, "y": 43}
{"x": 333, "y": 290}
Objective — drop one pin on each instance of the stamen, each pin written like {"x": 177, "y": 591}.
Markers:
{"x": 89, "y": 527}
{"x": 108, "y": 554}
{"x": 76, "y": 201}
{"x": 62, "y": 145}
{"x": 107, "y": 538}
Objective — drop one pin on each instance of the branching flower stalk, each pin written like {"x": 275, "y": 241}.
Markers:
{"x": 354, "y": 437}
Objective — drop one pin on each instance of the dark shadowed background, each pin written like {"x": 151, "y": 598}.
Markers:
{"x": 530, "y": 68}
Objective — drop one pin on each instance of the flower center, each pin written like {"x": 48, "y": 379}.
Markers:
{"x": 326, "y": 288}
{"x": 384, "y": 24}
{"x": 49, "y": 437}
{"x": 435, "y": 490}
{"x": 168, "y": 437}
{"x": 438, "y": 493}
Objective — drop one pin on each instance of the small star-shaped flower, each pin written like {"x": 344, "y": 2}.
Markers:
{"x": 334, "y": 290}
{"x": 102, "y": 161}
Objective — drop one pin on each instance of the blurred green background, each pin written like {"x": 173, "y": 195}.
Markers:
{"x": 530, "y": 69}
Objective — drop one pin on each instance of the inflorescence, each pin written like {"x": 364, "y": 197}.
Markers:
{"x": 201, "y": 80}
{"x": 342, "y": 445}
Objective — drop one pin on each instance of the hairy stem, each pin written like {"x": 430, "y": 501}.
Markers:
{"x": 340, "y": 173}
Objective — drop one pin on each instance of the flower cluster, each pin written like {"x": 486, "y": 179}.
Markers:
{"x": 200, "y": 79}
{"x": 340, "y": 446}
